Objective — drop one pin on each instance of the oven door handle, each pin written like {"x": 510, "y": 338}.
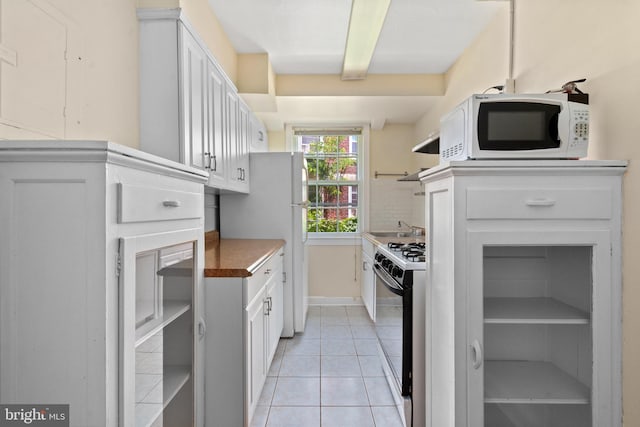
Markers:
{"x": 388, "y": 281}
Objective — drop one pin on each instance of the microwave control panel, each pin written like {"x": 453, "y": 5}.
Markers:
{"x": 580, "y": 128}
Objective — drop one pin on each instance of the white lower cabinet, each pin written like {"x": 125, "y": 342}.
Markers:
{"x": 101, "y": 255}
{"x": 524, "y": 294}
{"x": 368, "y": 284}
{"x": 244, "y": 316}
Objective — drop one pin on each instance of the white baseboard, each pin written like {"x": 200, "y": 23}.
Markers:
{"x": 335, "y": 301}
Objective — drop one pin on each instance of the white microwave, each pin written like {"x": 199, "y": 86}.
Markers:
{"x": 516, "y": 126}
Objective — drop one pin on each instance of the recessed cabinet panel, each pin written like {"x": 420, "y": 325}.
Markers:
{"x": 144, "y": 204}
{"x": 538, "y": 203}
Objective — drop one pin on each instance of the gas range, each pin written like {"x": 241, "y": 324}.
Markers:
{"x": 405, "y": 256}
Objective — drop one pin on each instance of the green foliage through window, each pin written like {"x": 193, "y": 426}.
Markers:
{"x": 332, "y": 162}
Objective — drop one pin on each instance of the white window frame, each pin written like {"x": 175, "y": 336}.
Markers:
{"x": 344, "y": 238}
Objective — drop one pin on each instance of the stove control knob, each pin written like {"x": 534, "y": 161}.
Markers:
{"x": 385, "y": 264}
{"x": 397, "y": 271}
{"x": 379, "y": 257}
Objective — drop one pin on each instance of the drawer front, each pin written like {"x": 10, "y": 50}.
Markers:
{"x": 144, "y": 204}
{"x": 270, "y": 268}
{"x": 541, "y": 203}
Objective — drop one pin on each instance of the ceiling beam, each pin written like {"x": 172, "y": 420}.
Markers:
{"x": 374, "y": 85}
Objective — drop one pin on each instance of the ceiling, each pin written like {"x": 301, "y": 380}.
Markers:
{"x": 308, "y": 37}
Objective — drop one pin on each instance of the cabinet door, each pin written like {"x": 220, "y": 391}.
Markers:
{"x": 539, "y": 330}
{"x": 258, "y": 141}
{"x": 231, "y": 136}
{"x": 193, "y": 71}
{"x": 156, "y": 368}
{"x": 243, "y": 141}
{"x": 255, "y": 353}
{"x": 368, "y": 290}
{"x": 215, "y": 155}
{"x": 275, "y": 299}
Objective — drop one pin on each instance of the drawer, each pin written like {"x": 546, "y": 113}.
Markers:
{"x": 540, "y": 203}
{"x": 144, "y": 204}
{"x": 270, "y": 268}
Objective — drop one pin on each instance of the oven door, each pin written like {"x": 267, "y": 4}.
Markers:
{"x": 394, "y": 326}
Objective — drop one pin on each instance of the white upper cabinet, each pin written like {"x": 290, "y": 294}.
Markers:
{"x": 259, "y": 140}
{"x": 194, "y": 73}
{"x": 216, "y": 101}
{"x": 190, "y": 111}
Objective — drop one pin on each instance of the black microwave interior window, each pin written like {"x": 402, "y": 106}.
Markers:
{"x": 515, "y": 126}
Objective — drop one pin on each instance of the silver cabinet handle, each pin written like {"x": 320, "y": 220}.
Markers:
{"x": 202, "y": 328}
{"x": 215, "y": 163}
{"x": 267, "y": 271}
{"x": 265, "y": 307}
{"x": 171, "y": 203}
{"x": 207, "y": 164}
{"x": 540, "y": 202}
{"x": 476, "y": 354}
{"x": 270, "y": 303}
{"x": 364, "y": 266}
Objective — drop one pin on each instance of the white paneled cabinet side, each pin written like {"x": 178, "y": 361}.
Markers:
{"x": 101, "y": 251}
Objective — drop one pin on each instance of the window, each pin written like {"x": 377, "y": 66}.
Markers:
{"x": 333, "y": 161}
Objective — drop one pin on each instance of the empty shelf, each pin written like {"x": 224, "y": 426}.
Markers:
{"x": 171, "y": 310}
{"x": 532, "y": 311}
{"x": 532, "y": 383}
{"x": 174, "y": 378}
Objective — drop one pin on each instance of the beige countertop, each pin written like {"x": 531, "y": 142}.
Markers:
{"x": 236, "y": 257}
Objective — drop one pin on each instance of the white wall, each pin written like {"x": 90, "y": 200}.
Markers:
{"x": 558, "y": 41}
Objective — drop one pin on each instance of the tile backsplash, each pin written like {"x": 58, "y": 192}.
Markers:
{"x": 393, "y": 201}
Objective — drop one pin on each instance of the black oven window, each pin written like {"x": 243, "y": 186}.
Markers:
{"x": 513, "y": 126}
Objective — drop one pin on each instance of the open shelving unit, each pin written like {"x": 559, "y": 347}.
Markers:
{"x": 537, "y": 327}
{"x": 163, "y": 347}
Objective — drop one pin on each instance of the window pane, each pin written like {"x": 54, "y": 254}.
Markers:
{"x": 348, "y": 169}
{"x": 347, "y": 220}
{"x": 332, "y": 161}
{"x": 312, "y": 167}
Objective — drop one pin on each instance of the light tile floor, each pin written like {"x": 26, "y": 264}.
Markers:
{"x": 329, "y": 376}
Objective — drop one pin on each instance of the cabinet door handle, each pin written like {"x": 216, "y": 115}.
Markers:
{"x": 540, "y": 202}
{"x": 265, "y": 307}
{"x": 270, "y": 303}
{"x": 267, "y": 271}
{"x": 215, "y": 163}
{"x": 239, "y": 174}
{"x": 202, "y": 328}
{"x": 171, "y": 203}
{"x": 476, "y": 354}
{"x": 364, "y": 266}
{"x": 207, "y": 163}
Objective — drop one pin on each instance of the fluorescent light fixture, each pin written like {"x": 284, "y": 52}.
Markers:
{"x": 365, "y": 24}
